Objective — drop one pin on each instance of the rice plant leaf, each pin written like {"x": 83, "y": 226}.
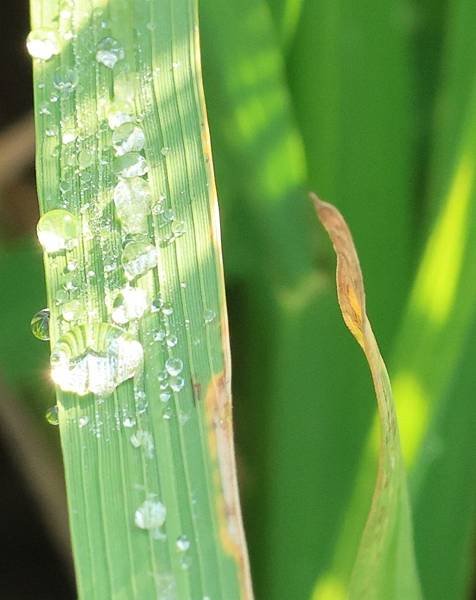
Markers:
{"x": 133, "y": 269}
{"x": 385, "y": 564}
{"x": 350, "y": 73}
{"x": 432, "y": 373}
{"x": 273, "y": 286}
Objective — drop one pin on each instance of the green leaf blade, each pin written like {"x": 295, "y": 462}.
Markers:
{"x": 130, "y": 450}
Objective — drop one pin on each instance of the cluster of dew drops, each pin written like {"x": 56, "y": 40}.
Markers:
{"x": 92, "y": 357}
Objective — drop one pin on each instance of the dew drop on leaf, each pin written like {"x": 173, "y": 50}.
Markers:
{"x": 128, "y": 138}
{"x": 120, "y": 112}
{"x": 43, "y": 44}
{"x": 51, "y": 415}
{"x": 40, "y": 324}
{"x": 176, "y": 383}
{"x": 174, "y": 366}
{"x": 138, "y": 258}
{"x": 109, "y": 51}
{"x": 164, "y": 396}
{"x": 171, "y": 341}
{"x": 209, "y": 315}
{"x": 143, "y": 439}
{"x": 151, "y": 514}
{"x": 95, "y": 359}
{"x": 182, "y": 543}
{"x": 132, "y": 202}
{"x": 85, "y": 158}
{"x": 129, "y": 304}
{"x": 131, "y": 164}
{"x": 68, "y": 137}
{"x": 58, "y": 230}
{"x": 65, "y": 80}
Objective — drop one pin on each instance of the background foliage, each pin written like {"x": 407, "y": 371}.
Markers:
{"x": 372, "y": 105}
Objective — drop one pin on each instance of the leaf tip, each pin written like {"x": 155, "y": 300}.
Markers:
{"x": 350, "y": 287}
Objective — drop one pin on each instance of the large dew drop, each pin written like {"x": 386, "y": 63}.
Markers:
{"x": 58, "y": 230}
{"x": 120, "y": 112}
{"x": 132, "y": 201}
{"x": 151, "y": 514}
{"x": 40, "y": 324}
{"x": 43, "y": 44}
{"x": 138, "y": 258}
{"x": 129, "y": 304}
{"x": 131, "y": 164}
{"x": 109, "y": 52}
{"x": 95, "y": 359}
{"x": 128, "y": 138}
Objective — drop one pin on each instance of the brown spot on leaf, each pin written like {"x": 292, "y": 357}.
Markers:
{"x": 221, "y": 445}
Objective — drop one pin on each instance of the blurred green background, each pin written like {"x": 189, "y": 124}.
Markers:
{"x": 372, "y": 104}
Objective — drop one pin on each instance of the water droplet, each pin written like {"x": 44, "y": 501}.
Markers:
{"x": 165, "y": 150}
{"x": 68, "y": 137}
{"x": 128, "y": 138}
{"x": 168, "y": 216}
{"x": 164, "y": 396}
{"x": 178, "y": 229}
{"x": 157, "y": 304}
{"x": 71, "y": 282}
{"x": 159, "y": 335}
{"x": 131, "y": 164}
{"x": 65, "y": 81}
{"x": 40, "y": 324}
{"x": 151, "y": 514}
{"x": 174, "y": 366}
{"x": 182, "y": 543}
{"x": 44, "y": 109}
{"x": 167, "y": 414}
{"x": 209, "y": 315}
{"x": 159, "y": 204}
{"x": 71, "y": 265}
{"x": 51, "y": 131}
{"x": 43, "y": 44}
{"x": 167, "y": 309}
{"x": 58, "y": 230}
{"x": 66, "y": 186}
{"x": 129, "y": 422}
{"x": 109, "y": 52}
{"x": 61, "y": 296}
{"x": 83, "y": 421}
{"x": 85, "y": 158}
{"x": 141, "y": 401}
{"x": 72, "y": 311}
{"x": 120, "y": 112}
{"x": 138, "y": 258}
{"x": 95, "y": 359}
{"x": 143, "y": 439}
{"x": 130, "y": 303}
{"x": 132, "y": 201}
{"x": 171, "y": 341}
{"x": 176, "y": 383}
{"x": 51, "y": 415}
